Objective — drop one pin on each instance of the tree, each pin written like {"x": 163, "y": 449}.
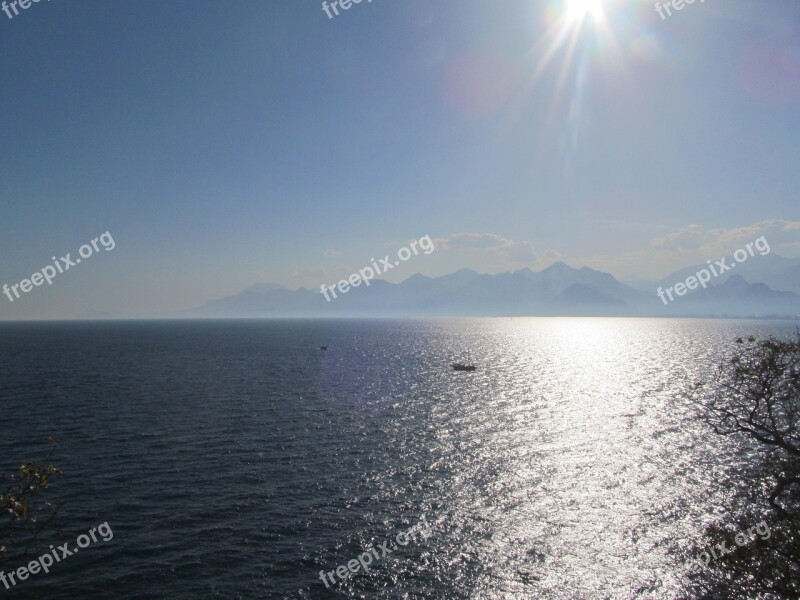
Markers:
{"x": 24, "y": 518}
{"x": 757, "y": 401}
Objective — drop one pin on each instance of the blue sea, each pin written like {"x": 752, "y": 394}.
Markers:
{"x": 236, "y": 459}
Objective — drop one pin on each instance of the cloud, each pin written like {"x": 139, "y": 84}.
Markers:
{"x": 688, "y": 239}
{"x": 471, "y": 240}
{"x": 551, "y": 256}
{"x": 520, "y": 252}
{"x": 778, "y": 232}
{"x": 690, "y": 245}
{"x": 695, "y": 245}
{"x": 511, "y": 251}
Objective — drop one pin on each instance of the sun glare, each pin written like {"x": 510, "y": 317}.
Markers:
{"x": 578, "y": 10}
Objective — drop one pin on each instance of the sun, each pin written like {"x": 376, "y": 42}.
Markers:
{"x": 578, "y": 10}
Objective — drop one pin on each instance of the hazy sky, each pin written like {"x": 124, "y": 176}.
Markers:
{"x": 227, "y": 143}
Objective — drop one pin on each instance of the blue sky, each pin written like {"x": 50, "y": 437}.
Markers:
{"x": 227, "y": 143}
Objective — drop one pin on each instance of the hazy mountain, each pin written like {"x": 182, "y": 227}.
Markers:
{"x": 736, "y": 297}
{"x": 581, "y": 299}
{"x": 260, "y": 300}
{"x": 556, "y": 290}
{"x": 777, "y": 272}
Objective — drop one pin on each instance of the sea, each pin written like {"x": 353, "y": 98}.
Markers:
{"x": 238, "y": 459}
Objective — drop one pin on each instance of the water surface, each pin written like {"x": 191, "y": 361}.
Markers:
{"x": 235, "y": 459}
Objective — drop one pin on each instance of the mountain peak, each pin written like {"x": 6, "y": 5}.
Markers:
{"x": 559, "y": 268}
{"x": 557, "y": 290}
{"x": 418, "y": 277}
{"x": 735, "y": 281}
{"x": 260, "y": 288}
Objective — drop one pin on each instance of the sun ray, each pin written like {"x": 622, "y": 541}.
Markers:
{"x": 578, "y": 10}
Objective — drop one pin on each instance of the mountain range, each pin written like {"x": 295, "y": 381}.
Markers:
{"x": 770, "y": 289}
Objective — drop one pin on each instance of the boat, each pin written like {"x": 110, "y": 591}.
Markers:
{"x": 323, "y": 347}
{"x": 462, "y": 367}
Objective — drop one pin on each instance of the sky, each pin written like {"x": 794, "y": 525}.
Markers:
{"x": 221, "y": 144}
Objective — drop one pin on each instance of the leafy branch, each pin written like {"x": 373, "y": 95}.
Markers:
{"x": 24, "y": 517}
